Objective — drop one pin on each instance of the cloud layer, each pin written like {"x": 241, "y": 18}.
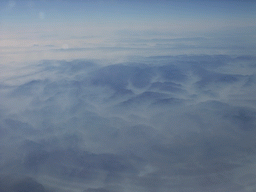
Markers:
{"x": 179, "y": 123}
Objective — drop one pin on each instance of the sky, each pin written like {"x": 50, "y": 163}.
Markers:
{"x": 127, "y": 96}
{"x": 62, "y": 29}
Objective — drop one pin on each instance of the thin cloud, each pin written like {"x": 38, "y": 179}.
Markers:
{"x": 138, "y": 123}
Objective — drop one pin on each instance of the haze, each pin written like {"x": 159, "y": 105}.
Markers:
{"x": 127, "y": 96}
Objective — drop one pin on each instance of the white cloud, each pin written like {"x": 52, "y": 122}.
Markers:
{"x": 132, "y": 125}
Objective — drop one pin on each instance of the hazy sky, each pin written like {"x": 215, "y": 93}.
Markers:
{"x": 127, "y": 96}
{"x": 116, "y": 29}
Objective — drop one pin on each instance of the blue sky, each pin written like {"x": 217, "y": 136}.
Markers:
{"x": 115, "y": 21}
{"x": 126, "y": 11}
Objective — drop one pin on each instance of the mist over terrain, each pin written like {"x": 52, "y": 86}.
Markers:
{"x": 127, "y": 96}
{"x": 179, "y": 123}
